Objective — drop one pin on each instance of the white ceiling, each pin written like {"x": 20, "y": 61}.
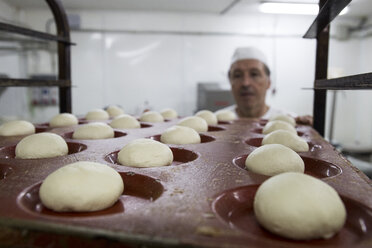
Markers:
{"x": 358, "y": 8}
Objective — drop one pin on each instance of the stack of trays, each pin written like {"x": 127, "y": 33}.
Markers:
{"x": 203, "y": 199}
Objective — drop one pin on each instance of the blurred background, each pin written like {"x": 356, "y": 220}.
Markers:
{"x": 176, "y": 53}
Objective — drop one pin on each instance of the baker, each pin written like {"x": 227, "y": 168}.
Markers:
{"x": 249, "y": 76}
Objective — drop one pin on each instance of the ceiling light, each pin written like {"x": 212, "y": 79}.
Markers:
{"x": 292, "y": 8}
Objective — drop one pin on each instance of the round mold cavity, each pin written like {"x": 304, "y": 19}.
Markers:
{"x": 235, "y": 207}
{"x": 5, "y": 171}
{"x": 213, "y": 128}
{"x": 259, "y": 131}
{"x": 180, "y": 156}
{"x": 313, "y": 167}
{"x": 144, "y": 125}
{"x": 225, "y": 122}
{"x": 203, "y": 138}
{"x": 42, "y": 127}
{"x": 138, "y": 190}
{"x": 117, "y": 134}
{"x": 8, "y": 152}
{"x": 257, "y": 142}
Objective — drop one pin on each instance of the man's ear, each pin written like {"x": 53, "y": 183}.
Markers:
{"x": 269, "y": 84}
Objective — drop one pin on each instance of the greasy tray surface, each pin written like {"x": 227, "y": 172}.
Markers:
{"x": 172, "y": 205}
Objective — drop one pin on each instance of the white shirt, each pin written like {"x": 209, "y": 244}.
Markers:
{"x": 269, "y": 113}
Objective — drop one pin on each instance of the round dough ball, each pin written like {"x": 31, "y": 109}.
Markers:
{"x": 63, "y": 120}
{"x": 152, "y": 116}
{"x": 81, "y": 187}
{"x": 180, "y": 135}
{"x": 169, "y": 113}
{"x": 196, "y": 123}
{"x": 283, "y": 117}
{"x": 298, "y": 206}
{"x": 274, "y": 159}
{"x": 288, "y": 139}
{"x": 14, "y": 128}
{"x": 41, "y": 145}
{"x": 97, "y": 114}
{"x": 208, "y": 116}
{"x": 145, "y": 153}
{"x": 125, "y": 121}
{"x": 95, "y": 130}
{"x": 226, "y": 115}
{"x": 114, "y": 111}
{"x": 278, "y": 125}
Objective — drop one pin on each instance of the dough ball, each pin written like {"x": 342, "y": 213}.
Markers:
{"x": 114, "y": 111}
{"x": 81, "y": 187}
{"x": 125, "y": 122}
{"x": 208, "y": 116}
{"x": 14, "y": 128}
{"x": 288, "y": 139}
{"x": 274, "y": 159}
{"x": 151, "y": 116}
{"x": 278, "y": 125}
{"x": 63, "y": 120}
{"x": 169, "y": 113}
{"x": 97, "y": 114}
{"x": 145, "y": 153}
{"x": 95, "y": 130}
{"x": 180, "y": 135}
{"x": 283, "y": 117}
{"x": 298, "y": 206}
{"x": 197, "y": 123}
{"x": 226, "y": 115}
{"x": 41, "y": 145}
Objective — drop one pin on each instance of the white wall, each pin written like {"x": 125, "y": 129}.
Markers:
{"x": 128, "y": 58}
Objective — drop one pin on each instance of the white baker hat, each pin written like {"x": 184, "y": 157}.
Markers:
{"x": 248, "y": 53}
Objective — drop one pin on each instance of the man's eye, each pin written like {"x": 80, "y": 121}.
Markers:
{"x": 254, "y": 74}
{"x": 237, "y": 75}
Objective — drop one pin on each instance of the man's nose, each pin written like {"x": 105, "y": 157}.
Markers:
{"x": 246, "y": 80}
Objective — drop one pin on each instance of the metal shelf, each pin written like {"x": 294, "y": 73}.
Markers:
{"x": 15, "y": 82}
{"x": 355, "y": 82}
{"x": 64, "y": 55}
{"x": 32, "y": 33}
{"x": 327, "y": 13}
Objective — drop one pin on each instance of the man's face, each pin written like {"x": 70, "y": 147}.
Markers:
{"x": 249, "y": 83}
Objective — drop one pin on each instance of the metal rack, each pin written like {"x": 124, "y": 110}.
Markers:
{"x": 63, "y": 81}
{"x": 319, "y": 29}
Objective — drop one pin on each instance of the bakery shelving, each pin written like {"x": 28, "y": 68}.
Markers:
{"x": 320, "y": 30}
{"x": 62, "y": 38}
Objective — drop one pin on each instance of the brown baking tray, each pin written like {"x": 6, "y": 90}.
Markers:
{"x": 203, "y": 199}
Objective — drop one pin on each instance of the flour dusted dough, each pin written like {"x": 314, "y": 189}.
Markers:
{"x": 81, "y": 187}
{"x": 298, "y": 206}
{"x": 288, "y": 139}
{"x": 97, "y": 114}
{"x": 125, "y": 121}
{"x": 196, "y": 123}
{"x": 208, "y": 116}
{"x": 145, "y": 153}
{"x": 41, "y": 145}
{"x": 226, "y": 115}
{"x": 14, "y": 128}
{"x": 274, "y": 159}
{"x": 180, "y": 135}
{"x": 95, "y": 130}
{"x": 151, "y": 116}
{"x": 114, "y": 111}
{"x": 278, "y": 125}
{"x": 283, "y": 117}
{"x": 63, "y": 120}
{"x": 169, "y": 113}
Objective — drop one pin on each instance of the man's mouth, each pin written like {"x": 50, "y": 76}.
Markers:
{"x": 246, "y": 94}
